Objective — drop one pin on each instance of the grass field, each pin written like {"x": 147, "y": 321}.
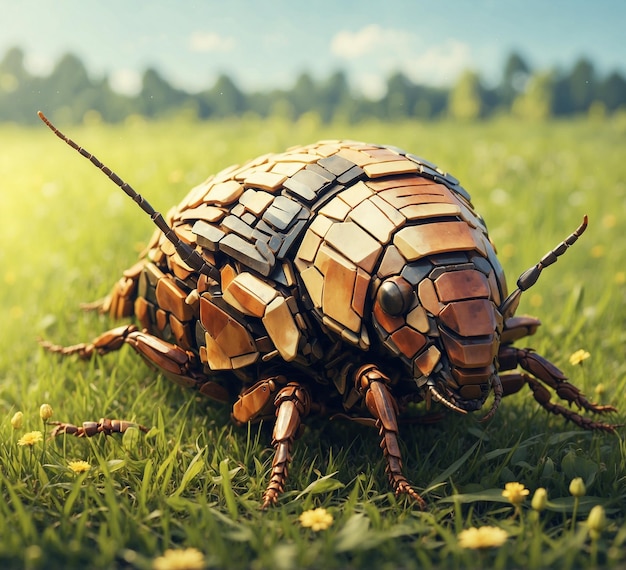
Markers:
{"x": 195, "y": 481}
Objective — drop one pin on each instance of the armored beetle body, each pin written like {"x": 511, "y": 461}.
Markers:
{"x": 337, "y": 278}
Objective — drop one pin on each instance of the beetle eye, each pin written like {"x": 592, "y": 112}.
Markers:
{"x": 395, "y": 296}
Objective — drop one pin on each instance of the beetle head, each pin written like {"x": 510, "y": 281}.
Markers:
{"x": 446, "y": 330}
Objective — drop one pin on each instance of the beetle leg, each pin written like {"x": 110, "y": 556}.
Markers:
{"x": 256, "y": 402}
{"x": 108, "y": 341}
{"x": 382, "y": 405}
{"x": 543, "y": 370}
{"x": 518, "y": 327}
{"x": 292, "y": 403}
{"x": 89, "y": 429}
{"x": 513, "y": 383}
{"x": 177, "y": 364}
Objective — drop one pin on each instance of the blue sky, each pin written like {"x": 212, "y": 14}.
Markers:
{"x": 263, "y": 44}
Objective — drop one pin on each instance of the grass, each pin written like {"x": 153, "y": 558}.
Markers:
{"x": 195, "y": 481}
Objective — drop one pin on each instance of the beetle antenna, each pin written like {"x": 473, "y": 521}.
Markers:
{"x": 189, "y": 255}
{"x": 530, "y": 276}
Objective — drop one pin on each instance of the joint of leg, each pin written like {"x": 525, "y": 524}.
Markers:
{"x": 254, "y": 402}
{"x": 366, "y": 375}
{"x": 297, "y": 394}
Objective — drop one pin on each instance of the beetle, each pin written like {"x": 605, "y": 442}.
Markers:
{"x": 339, "y": 278}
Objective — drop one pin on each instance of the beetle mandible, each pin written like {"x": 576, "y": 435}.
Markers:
{"x": 337, "y": 278}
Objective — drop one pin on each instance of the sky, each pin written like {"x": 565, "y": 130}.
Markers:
{"x": 267, "y": 44}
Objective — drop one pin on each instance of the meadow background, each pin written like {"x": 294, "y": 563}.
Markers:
{"x": 66, "y": 234}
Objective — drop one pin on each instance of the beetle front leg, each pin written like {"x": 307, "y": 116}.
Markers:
{"x": 382, "y": 405}
{"x": 544, "y": 371}
{"x": 292, "y": 404}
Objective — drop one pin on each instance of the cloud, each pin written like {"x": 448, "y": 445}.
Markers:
{"x": 374, "y": 52}
{"x": 210, "y": 41}
{"x": 38, "y": 64}
{"x": 351, "y": 45}
{"x": 125, "y": 81}
{"x": 439, "y": 64}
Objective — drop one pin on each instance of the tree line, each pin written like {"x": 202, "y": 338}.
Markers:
{"x": 71, "y": 94}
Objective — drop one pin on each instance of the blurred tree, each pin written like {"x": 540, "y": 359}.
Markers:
{"x": 399, "y": 100}
{"x": 283, "y": 107}
{"x": 514, "y": 78}
{"x": 224, "y": 99}
{"x": 13, "y": 86}
{"x": 612, "y": 92}
{"x": 334, "y": 97}
{"x": 575, "y": 91}
{"x": 465, "y": 99}
{"x": 536, "y": 101}
{"x": 12, "y": 64}
{"x": 68, "y": 90}
{"x": 157, "y": 97}
{"x": 70, "y": 93}
{"x": 304, "y": 95}
{"x": 582, "y": 85}
{"x": 260, "y": 102}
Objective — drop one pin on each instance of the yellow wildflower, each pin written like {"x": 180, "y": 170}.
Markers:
{"x": 316, "y": 519}
{"x": 597, "y": 251}
{"x": 577, "y": 487}
{"x": 578, "y": 357}
{"x": 516, "y": 493}
{"x": 31, "y": 438}
{"x": 609, "y": 221}
{"x": 596, "y": 521}
{"x": 540, "y": 499}
{"x": 181, "y": 559}
{"x": 482, "y": 537}
{"x": 45, "y": 412}
{"x": 16, "y": 420}
{"x": 78, "y": 466}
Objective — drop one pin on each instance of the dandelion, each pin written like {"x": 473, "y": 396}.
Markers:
{"x": 45, "y": 412}
{"x": 516, "y": 493}
{"x": 578, "y": 357}
{"x": 180, "y": 559}
{"x": 79, "y": 467}
{"x": 539, "y": 500}
{"x": 482, "y": 537}
{"x": 29, "y": 439}
{"x": 317, "y": 519}
{"x": 16, "y": 420}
